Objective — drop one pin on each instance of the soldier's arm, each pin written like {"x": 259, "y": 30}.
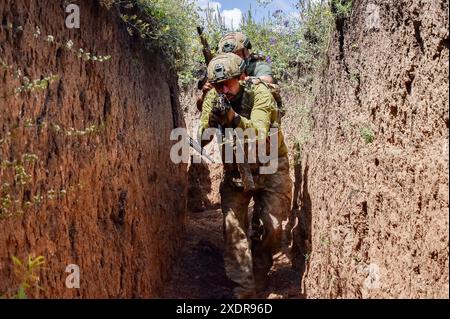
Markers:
{"x": 206, "y": 88}
{"x": 204, "y": 117}
{"x": 260, "y": 117}
{"x": 264, "y": 72}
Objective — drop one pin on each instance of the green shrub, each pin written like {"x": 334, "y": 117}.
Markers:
{"x": 167, "y": 25}
{"x": 342, "y": 8}
{"x": 27, "y": 272}
{"x": 293, "y": 42}
{"x": 367, "y": 134}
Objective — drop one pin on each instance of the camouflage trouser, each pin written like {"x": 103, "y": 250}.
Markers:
{"x": 249, "y": 260}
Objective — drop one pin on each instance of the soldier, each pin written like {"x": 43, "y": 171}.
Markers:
{"x": 239, "y": 43}
{"x": 248, "y": 259}
{"x": 256, "y": 66}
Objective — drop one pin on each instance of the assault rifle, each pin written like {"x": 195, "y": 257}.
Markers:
{"x": 221, "y": 108}
{"x": 207, "y": 54}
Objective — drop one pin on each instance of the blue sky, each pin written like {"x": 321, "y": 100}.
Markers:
{"x": 232, "y": 10}
{"x": 243, "y": 5}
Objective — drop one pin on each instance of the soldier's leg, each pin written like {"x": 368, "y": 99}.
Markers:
{"x": 237, "y": 254}
{"x": 274, "y": 203}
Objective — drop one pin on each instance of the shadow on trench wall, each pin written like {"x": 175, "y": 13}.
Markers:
{"x": 199, "y": 181}
{"x": 301, "y": 233}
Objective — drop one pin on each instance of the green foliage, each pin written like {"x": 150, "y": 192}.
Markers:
{"x": 27, "y": 272}
{"x": 354, "y": 76}
{"x": 16, "y": 174}
{"x": 38, "y": 84}
{"x": 27, "y": 85}
{"x": 293, "y": 42}
{"x": 297, "y": 153}
{"x": 315, "y": 34}
{"x": 367, "y": 134}
{"x": 21, "y": 177}
{"x": 325, "y": 241}
{"x": 68, "y": 46}
{"x": 277, "y": 38}
{"x": 307, "y": 255}
{"x": 342, "y": 8}
{"x": 167, "y": 25}
{"x": 214, "y": 28}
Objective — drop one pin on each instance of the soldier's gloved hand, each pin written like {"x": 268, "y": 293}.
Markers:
{"x": 206, "y": 88}
{"x": 214, "y": 119}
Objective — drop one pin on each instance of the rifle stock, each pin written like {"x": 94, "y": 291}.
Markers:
{"x": 207, "y": 54}
{"x": 199, "y": 149}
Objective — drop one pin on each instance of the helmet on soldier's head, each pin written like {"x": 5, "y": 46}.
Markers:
{"x": 225, "y": 66}
{"x": 234, "y": 41}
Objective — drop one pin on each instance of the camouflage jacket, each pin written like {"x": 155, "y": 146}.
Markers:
{"x": 257, "y": 109}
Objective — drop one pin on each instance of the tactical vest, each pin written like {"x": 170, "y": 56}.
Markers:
{"x": 274, "y": 88}
{"x": 248, "y": 98}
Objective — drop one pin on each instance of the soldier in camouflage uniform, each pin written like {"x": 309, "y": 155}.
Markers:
{"x": 256, "y": 66}
{"x": 238, "y": 43}
{"x": 248, "y": 258}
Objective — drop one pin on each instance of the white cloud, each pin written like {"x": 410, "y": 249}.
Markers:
{"x": 215, "y": 6}
{"x": 203, "y": 4}
{"x": 232, "y": 18}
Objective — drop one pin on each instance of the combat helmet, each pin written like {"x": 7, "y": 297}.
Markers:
{"x": 225, "y": 66}
{"x": 234, "y": 41}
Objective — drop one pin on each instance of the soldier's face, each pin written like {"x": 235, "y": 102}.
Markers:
{"x": 230, "y": 88}
{"x": 240, "y": 53}
{"x": 243, "y": 53}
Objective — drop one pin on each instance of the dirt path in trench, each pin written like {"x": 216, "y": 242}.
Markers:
{"x": 199, "y": 271}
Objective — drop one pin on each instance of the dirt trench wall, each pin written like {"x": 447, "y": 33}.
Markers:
{"x": 203, "y": 176}
{"x": 105, "y": 195}
{"x": 374, "y": 215}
